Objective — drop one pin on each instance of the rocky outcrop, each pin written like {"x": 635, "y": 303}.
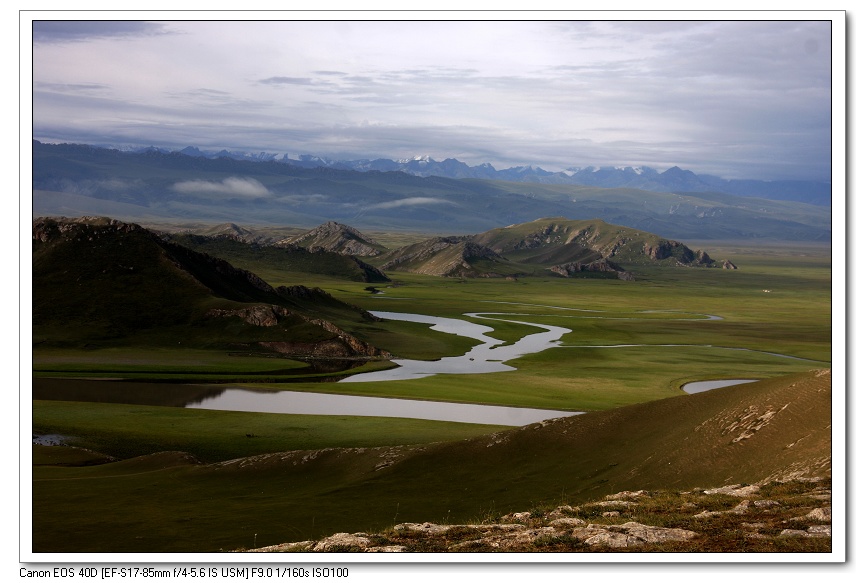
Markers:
{"x": 341, "y": 345}
{"x": 337, "y": 238}
{"x": 442, "y": 256}
{"x": 681, "y": 253}
{"x": 600, "y": 266}
{"x": 764, "y": 523}
{"x": 728, "y": 264}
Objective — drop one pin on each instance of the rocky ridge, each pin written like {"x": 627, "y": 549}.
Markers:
{"x": 335, "y": 237}
{"x": 442, "y": 256}
{"x": 773, "y": 516}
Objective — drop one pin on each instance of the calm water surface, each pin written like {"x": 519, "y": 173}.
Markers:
{"x": 236, "y": 399}
{"x": 700, "y": 386}
{"x": 489, "y": 356}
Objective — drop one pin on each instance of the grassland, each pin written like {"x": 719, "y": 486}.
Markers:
{"x": 180, "y": 505}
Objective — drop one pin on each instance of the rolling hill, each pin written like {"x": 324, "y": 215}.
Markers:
{"x": 336, "y": 238}
{"x": 100, "y": 281}
{"x": 565, "y": 247}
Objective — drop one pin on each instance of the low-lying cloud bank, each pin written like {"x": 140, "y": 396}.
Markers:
{"x": 231, "y": 187}
{"x": 411, "y": 201}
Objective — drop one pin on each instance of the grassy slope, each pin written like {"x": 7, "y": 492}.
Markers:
{"x": 257, "y": 258}
{"x": 738, "y": 434}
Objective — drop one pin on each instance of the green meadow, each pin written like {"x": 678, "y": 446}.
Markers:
{"x": 631, "y": 342}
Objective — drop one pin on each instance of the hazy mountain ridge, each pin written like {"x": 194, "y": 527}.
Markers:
{"x": 674, "y": 179}
{"x": 72, "y": 179}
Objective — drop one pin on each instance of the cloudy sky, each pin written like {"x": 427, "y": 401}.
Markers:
{"x": 746, "y": 99}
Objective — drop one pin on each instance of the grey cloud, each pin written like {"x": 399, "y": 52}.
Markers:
{"x": 71, "y": 87}
{"x": 286, "y": 81}
{"x": 58, "y": 31}
{"x": 720, "y": 97}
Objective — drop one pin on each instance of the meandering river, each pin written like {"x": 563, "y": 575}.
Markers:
{"x": 489, "y": 356}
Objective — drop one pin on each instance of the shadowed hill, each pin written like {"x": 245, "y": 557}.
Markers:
{"x": 282, "y": 257}
{"x": 99, "y": 280}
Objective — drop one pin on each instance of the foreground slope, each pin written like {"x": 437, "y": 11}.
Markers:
{"x": 772, "y": 430}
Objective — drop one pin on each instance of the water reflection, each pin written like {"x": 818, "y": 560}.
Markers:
{"x": 234, "y": 399}
{"x": 223, "y": 398}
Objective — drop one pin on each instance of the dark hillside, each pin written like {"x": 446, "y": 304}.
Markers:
{"x": 98, "y": 281}
{"x": 282, "y": 257}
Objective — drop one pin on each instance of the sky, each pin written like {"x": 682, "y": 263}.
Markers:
{"x": 736, "y": 99}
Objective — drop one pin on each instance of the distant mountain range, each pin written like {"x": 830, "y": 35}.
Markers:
{"x": 159, "y": 187}
{"x": 673, "y": 179}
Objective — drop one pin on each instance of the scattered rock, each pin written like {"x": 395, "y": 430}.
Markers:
{"x": 342, "y": 540}
{"x": 613, "y": 504}
{"x": 740, "y": 490}
{"x": 823, "y": 514}
{"x": 387, "y": 549}
{"x": 563, "y": 530}
{"x": 633, "y": 534}
{"x": 807, "y": 533}
{"x": 567, "y": 522}
{"x": 627, "y": 495}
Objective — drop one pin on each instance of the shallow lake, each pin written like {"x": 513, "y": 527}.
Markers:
{"x": 235, "y": 399}
{"x": 222, "y": 398}
{"x": 701, "y": 386}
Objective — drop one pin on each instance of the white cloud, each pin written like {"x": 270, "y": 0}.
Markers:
{"x": 232, "y": 187}
{"x": 411, "y": 201}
